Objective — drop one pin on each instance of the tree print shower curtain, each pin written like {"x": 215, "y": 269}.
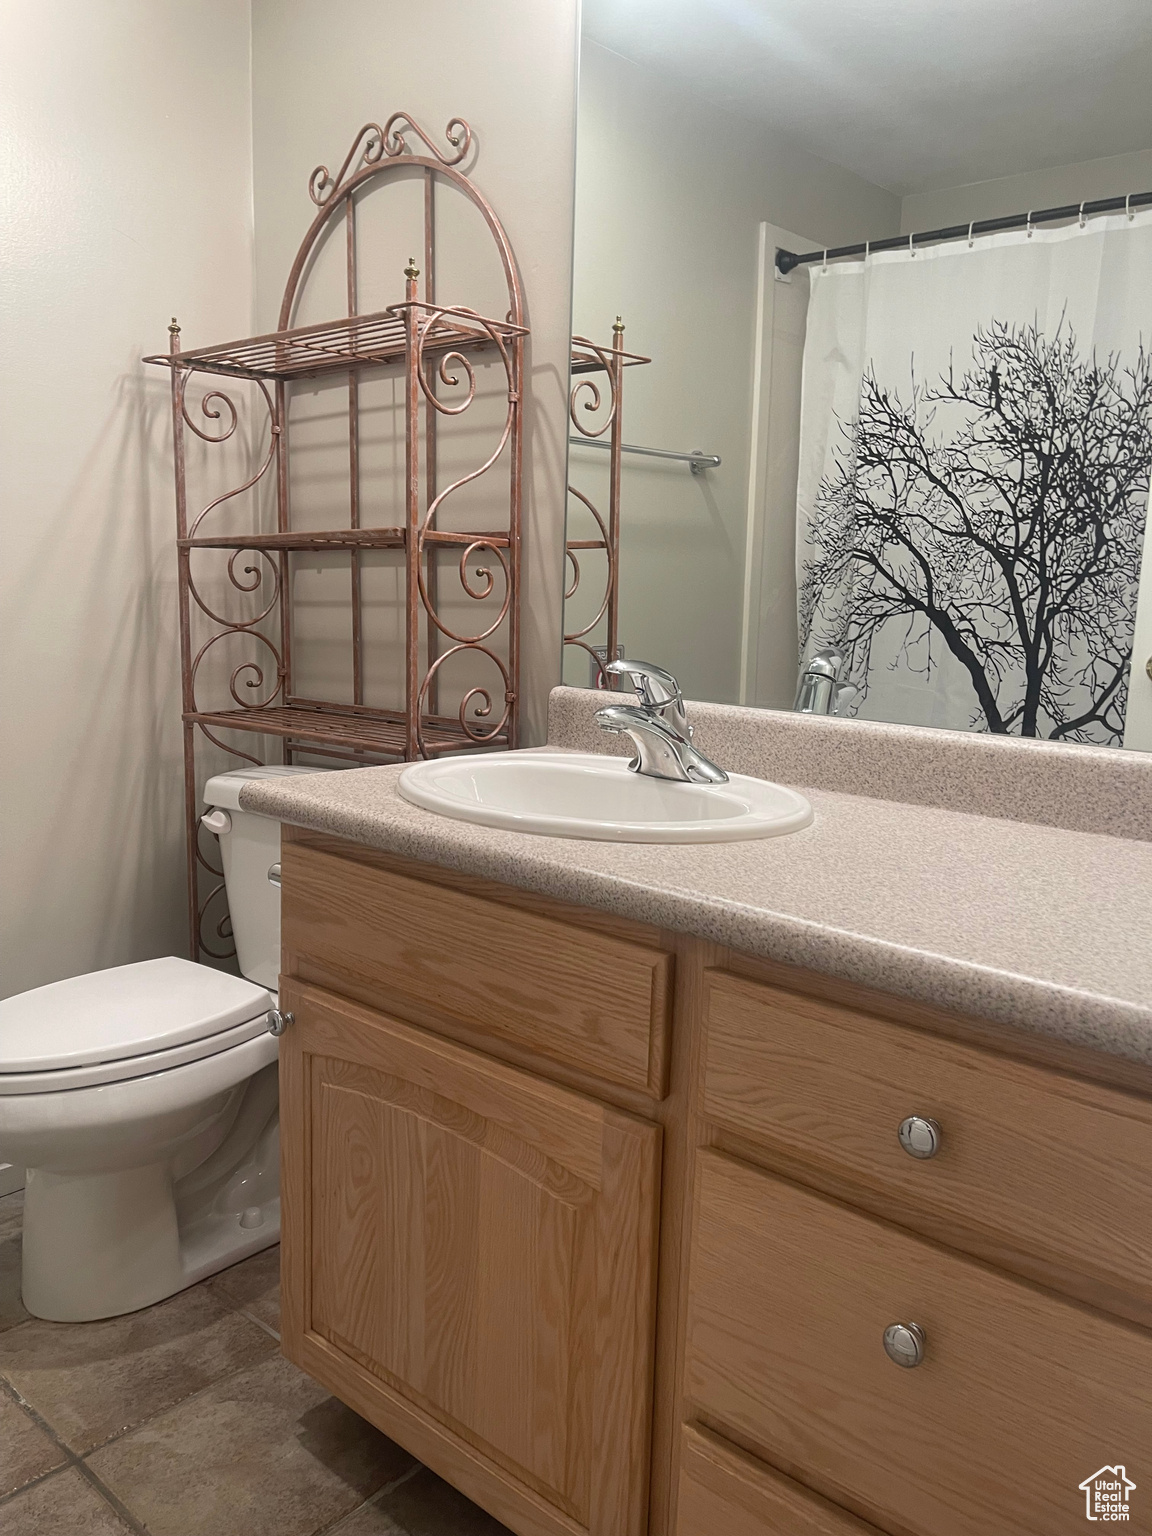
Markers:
{"x": 975, "y": 455}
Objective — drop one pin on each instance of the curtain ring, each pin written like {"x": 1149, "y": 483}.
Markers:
{"x": 1128, "y": 207}
{"x": 1083, "y": 220}
{"x": 867, "y": 249}
{"x": 970, "y": 229}
{"x": 911, "y": 247}
{"x": 824, "y": 262}
{"x": 1029, "y": 223}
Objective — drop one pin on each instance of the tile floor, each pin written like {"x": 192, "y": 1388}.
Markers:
{"x": 185, "y": 1420}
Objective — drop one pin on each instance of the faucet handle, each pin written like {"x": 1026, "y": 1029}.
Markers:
{"x": 657, "y": 689}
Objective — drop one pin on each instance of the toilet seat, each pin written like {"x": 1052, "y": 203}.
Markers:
{"x": 104, "y": 1072}
{"x": 126, "y": 1022}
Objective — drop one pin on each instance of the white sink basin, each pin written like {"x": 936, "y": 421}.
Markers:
{"x": 577, "y": 794}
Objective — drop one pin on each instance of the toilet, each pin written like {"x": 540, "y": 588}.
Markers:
{"x": 142, "y": 1102}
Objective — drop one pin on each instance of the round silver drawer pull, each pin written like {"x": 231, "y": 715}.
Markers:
{"x": 904, "y": 1343}
{"x": 278, "y": 1022}
{"x": 274, "y": 874}
{"x": 919, "y": 1136}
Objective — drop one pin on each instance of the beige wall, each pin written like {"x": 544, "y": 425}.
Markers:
{"x": 125, "y": 202}
{"x": 670, "y": 195}
{"x": 129, "y": 197}
{"x": 1115, "y": 176}
{"x": 508, "y": 67}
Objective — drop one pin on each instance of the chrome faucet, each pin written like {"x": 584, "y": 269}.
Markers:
{"x": 658, "y": 726}
{"x": 820, "y": 690}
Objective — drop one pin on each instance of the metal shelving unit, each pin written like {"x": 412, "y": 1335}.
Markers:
{"x": 431, "y": 348}
{"x": 599, "y": 422}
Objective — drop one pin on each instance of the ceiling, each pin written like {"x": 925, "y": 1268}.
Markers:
{"x": 910, "y": 94}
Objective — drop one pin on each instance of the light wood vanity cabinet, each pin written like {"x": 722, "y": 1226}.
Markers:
{"x": 469, "y": 1248}
{"x": 1037, "y": 1170}
{"x": 577, "y": 997}
{"x": 472, "y": 1259}
{"x": 790, "y": 1296}
{"x": 606, "y": 1225}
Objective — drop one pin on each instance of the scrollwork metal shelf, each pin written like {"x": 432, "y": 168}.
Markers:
{"x": 339, "y": 538}
{"x": 458, "y": 679}
{"x": 361, "y": 341}
{"x": 378, "y": 732}
{"x": 593, "y": 417}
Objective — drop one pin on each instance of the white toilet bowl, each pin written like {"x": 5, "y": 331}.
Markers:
{"x": 146, "y": 1169}
{"x": 142, "y": 1101}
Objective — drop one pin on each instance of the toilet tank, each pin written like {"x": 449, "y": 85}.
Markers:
{"x": 249, "y": 850}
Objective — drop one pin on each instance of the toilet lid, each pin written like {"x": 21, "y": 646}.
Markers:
{"x": 121, "y": 1013}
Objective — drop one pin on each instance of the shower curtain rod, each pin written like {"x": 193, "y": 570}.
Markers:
{"x": 786, "y": 260}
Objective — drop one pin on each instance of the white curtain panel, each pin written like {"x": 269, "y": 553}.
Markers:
{"x": 975, "y": 447}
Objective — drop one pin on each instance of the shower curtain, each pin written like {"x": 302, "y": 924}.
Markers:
{"x": 975, "y": 448}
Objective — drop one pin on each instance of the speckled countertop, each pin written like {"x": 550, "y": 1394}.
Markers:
{"x": 1026, "y": 922}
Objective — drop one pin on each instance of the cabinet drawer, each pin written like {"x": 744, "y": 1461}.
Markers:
{"x": 1032, "y": 1163}
{"x": 581, "y": 998}
{"x": 725, "y": 1493}
{"x": 1019, "y": 1397}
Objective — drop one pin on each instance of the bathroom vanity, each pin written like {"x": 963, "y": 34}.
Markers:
{"x": 623, "y": 1228}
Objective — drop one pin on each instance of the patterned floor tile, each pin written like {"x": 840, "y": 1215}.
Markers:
{"x": 425, "y": 1505}
{"x": 254, "y": 1285}
{"x": 12, "y": 1309}
{"x": 91, "y": 1381}
{"x": 63, "y": 1505}
{"x": 267, "y": 1452}
{"x": 26, "y": 1452}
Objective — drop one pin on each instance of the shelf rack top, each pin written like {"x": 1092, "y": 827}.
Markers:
{"x": 590, "y": 357}
{"x": 338, "y": 346}
{"x": 381, "y": 732}
{"x": 345, "y": 538}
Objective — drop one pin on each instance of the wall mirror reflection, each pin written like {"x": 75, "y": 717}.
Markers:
{"x": 862, "y": 389}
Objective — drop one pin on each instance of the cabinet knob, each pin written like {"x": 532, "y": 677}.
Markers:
{"x": 904, "y": 1343}
{"x": 278, "y": 1022}
{"x": 919, "y": 1136}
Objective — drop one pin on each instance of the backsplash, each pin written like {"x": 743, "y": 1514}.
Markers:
{"x": 1084, "y": 789}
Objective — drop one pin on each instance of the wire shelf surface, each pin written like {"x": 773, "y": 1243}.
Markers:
{"x": 589, "y": 357}
{"x": 338, "y": 346}
{"x": 340, "y": 538}
{"x": 382, "y": 734}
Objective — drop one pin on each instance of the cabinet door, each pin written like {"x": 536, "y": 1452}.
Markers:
{"x": 469, "y": 1262}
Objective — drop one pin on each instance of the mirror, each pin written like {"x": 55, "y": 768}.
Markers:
{"x": 862, "y": 378}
